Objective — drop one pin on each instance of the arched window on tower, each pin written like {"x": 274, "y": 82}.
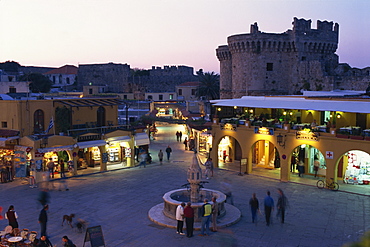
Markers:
{"x": 38, "y": 121}
{"x": 100, "y": 120}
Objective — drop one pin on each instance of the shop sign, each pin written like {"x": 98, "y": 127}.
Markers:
{"x": 105, "y": 157}
{"x": 38, "y": 154}
{"x": 228, "y": 126}
{"x": 128, "y": 152}
{"x": 329, "y": 155}
{"x": 264, "y": 131}
{"x": 306, "y": 135}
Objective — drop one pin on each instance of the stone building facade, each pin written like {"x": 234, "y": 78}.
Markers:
{"x": 303, "y": 58}
{"x": 120, "y": 78}
{"x": 167, "y": 78}
{"x": 115, "y": 76}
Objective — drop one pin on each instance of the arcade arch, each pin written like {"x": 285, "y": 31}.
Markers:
{"x": 228, "y": 150}
{"x": 354, "y": 167}
{"x": 265, "y": 155}
{"x": 304, "y": 157}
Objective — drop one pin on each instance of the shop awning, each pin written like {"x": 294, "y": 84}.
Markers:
{"x": 3, "y": 140}
{"x": 298, "y": 103}
{"x": 119, "y": 139}
{"x": 22, "y": 148}
{"x": 89, "y": 144}
{"x": 141, "y": 139}
{"x": 55, "y": 149}
{"x": 205, "y": 134}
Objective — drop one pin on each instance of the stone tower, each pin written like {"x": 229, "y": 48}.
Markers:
{"x": 261, "y": 63}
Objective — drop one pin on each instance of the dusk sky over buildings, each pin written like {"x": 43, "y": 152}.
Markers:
{"x": 145, "y": 33}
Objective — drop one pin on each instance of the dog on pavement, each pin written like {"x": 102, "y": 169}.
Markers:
{"x": 81, "y": 225}
{"x": 68, "y": 219}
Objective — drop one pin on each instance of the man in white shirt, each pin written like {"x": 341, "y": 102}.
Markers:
{"x": 180, "y": 218}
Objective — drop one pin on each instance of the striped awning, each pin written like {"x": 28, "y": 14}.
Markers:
{"x": 55, "y": 149}
{"x": 89, "y": 144}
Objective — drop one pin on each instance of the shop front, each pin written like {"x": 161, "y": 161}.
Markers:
{"x": 307, "y": 156}
{"x": 119, "y": 150}
{"x": 204, "y": 141}
{"x": 6, "y": 164}
{"x": 355, "y": 165}
{"x": 55, "y": 154}
{"x": 89, "y": 154}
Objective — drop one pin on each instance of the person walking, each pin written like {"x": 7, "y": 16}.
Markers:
{"x": 43, "y": 219}
{"x": 168, "y": 151}
{"x": 214, "y": 214}
{"x": 189, "y": 219}
{"x": 44, "y": 197}
{"x": 186, "y": 143}
{"x": 160, "y": 156}
{"x": 254, "y": 204}
{"x": 62, "y": 168}
{"x": 227, "y": 190}
{"x": 316, "y": 165}
{"x": 208, "y": 165}
{"x": 67, "y": 242}
{"x": 51, "y": 167}
{"x": 180, "y": 136}
{"x": 269, "y": 206}
{"x": 180, "y": 218}
{"x": 177, "y": 136}
{"x": 281, "y": 205}
{"x": 300, "y": 168}
{"x": 12, "y": 217}
{"x": 206, "y": 216}
{"x": 143, "y": 157}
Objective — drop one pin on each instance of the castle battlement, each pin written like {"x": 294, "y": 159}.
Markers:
{"x": 258, "y": 62}
{"x": 302, "y": 38}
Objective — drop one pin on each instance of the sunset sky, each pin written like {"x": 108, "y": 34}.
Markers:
{"x": 146, "y": 33}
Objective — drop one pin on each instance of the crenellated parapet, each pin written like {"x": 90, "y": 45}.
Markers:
{"x": 223, "y": 53}
{"x": 259, "y": 62}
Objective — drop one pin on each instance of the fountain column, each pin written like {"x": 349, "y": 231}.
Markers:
{"x": 194, "y": 179}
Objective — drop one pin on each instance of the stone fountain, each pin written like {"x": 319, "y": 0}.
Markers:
{"x": 165, "y": 213}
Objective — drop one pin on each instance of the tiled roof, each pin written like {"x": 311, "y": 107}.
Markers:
{"x": 8, "y": 133}
{"x": 66, "y": 69}
{"x": 189, "y": 84}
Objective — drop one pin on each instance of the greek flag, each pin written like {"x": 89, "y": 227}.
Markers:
{"x": 51, "y": 124}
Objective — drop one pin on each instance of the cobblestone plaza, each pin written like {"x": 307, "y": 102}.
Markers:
{"x": 119, "y": 201}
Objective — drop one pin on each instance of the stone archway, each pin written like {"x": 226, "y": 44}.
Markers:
{"x": 229, "y": 151}
{"x": 264, "y": 155}
{"x": 306, "y": 155}
{"x": 354, "y": 167}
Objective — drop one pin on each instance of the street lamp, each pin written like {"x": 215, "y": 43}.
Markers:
{"x": 281, "y": 140}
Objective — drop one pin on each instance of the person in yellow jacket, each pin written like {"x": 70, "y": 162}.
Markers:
{"x": 206, "y": 217}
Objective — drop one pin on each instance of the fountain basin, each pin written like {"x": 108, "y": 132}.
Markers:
{"x": 174, "y": 198}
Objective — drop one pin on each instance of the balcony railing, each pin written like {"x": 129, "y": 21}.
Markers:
{"x": 98, "y": 130}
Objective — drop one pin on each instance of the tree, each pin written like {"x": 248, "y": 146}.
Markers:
{"x": 39, "y": 83}
{"x": 62, "y": 119}
{"x": 209, "y": 85}
{"x": 10, "y": 66}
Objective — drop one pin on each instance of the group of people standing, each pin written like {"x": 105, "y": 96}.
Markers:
{"x": 185, "y": 212}
{"x": 52, "y": 166}
{"x": 269, "y": 206}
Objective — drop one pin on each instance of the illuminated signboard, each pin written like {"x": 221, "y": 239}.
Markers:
{"x": 264, "y": 131}
{"x": 228, "y": 126}
{"x": 306, "y": 135}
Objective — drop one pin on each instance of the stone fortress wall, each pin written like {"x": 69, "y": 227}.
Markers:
{"x": 118, "y": 77}
{"x": 303, "y": 58}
